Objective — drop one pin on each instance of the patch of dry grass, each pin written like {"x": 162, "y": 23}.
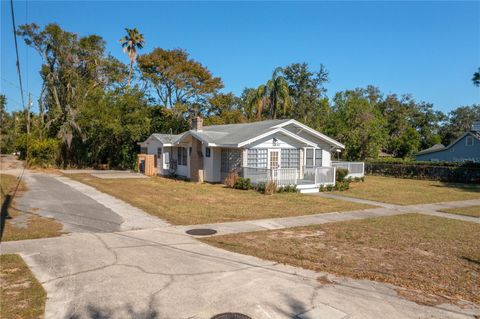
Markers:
{"x": 21, "y": 295}
{"x": 185, "y": 203}
{"x": 404, "y": 191}
{"x": 472, "y": 211}
{"x": 17, "y": 225}
{"x": 433, "y": 255}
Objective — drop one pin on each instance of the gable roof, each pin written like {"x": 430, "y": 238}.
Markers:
{"x": 166, "y": 138}
{"x": 440, "y": 147}
{"x": 434, "y": 148}
{"x": 238, "y": 135}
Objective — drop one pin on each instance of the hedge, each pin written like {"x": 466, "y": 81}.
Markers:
{"x": 453, "y": 172}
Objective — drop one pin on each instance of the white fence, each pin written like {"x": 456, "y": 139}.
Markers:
{"x": 355, "y": 169}
{"x": 325, "y": 175}
{"x": 291, "y": 176}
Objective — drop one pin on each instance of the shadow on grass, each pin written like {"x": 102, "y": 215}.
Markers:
{"x": 4, "y": 213}
{"x": 8, "y": 200}
{"x": 473, "y": 261}
{"x": 470, "y": 188}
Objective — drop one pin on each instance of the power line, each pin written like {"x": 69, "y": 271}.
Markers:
{"x": 15, "y": 86}
{"x": 16, "y": 50}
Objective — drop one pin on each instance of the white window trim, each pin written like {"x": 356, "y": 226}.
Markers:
{"x": 306, "y": 149}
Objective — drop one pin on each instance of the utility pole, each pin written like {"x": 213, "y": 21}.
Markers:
{"x": 27, "y": 116}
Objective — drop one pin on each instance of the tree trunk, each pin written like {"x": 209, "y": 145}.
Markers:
{"x": 130, "y": 73}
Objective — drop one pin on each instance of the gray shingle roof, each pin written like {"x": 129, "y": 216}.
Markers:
{"x": 167, "y": 138}
{"x": 228, "y": 134}
{"x": 434, "y": 148}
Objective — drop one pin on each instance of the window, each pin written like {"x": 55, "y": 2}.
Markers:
{"x": 469, "y": 141}
{"x": 290, "y": 158}
{"x": 257, "y": 157}
{"x": 207, "y": 152}
{"x": 231, "y": 160}
{"x": 143, "y": 150}
{"x": 182, "y": 156}
{"x": 309, "y": 157}
{"x": 159, "y": 152}
{"x": 318, "y": 157}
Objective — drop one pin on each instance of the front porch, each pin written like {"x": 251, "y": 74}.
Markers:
{"x": 305, "y": 178}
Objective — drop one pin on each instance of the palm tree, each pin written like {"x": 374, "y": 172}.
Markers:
{"x": 274, "y": 95}
{"x": 278, "y": 93}
{"x": 130, "y": 43}
{"x": 259, "y": 100}
{"x": 476, "y": 78}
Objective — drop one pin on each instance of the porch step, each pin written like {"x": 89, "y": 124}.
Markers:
{"x": 307, "y": 188}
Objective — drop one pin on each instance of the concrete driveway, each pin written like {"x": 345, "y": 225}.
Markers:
{"x": 76, "y": 211}
{"x": 119, "y": 262}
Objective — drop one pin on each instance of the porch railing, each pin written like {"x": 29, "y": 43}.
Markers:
{"x": 355, "y": 169}
{"x": 291, "y": 176}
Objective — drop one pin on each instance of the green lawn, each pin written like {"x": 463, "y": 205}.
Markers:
{"x": 403, "y": 191}
{"x": 21, "y": 295}
{"x": 185, "y": 203}
{"x": 439, "y": 257}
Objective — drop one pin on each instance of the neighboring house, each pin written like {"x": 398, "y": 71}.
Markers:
{"x": 463, "y": 149}
{"x": 284, "y": 151}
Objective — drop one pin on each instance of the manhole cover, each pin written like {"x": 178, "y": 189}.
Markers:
{"x": 231, "y": 315}
{"x": 202, "y": 232}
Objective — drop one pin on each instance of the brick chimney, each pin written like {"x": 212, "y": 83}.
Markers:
{"x": 197, "y": 123}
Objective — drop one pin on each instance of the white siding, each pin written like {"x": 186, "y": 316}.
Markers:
{"x": 326, "y": 158}
{"x": 208, "y": 168}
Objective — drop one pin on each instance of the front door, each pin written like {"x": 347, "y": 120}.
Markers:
{"x": 274, "y": 164}
{"x": 274, "y": 161}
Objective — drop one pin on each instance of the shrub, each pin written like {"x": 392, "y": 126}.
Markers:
{"x": 322, "y": 188}
{"x": 231, "y": 179}
{"x": 329, "y": 188}
{"x": 337, "y": 186}
{"x": 243, "y": 183}
{"x": 287, "y": 189}
{"x": 260, "y": 187}
{"x": 341, "y": 173}
{"x": 270, "y": 188}
{"x": 357, "y": 179}
{"x": 43, "y": 153}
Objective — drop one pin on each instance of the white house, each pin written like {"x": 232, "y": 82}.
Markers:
{"x": 284, "y": 151}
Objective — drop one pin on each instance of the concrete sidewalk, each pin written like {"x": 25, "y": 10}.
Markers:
{"x": 307, "y": 220}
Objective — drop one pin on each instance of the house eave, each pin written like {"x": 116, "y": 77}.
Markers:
{"x": 314, "y": 132}
{"x": 277, "y": 130}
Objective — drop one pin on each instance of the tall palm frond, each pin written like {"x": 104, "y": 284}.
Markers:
{"x": 279, "y": 94}
{"x": 476, "y": 78}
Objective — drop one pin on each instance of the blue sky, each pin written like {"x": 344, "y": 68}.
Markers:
{"x": 427, "y": 49}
